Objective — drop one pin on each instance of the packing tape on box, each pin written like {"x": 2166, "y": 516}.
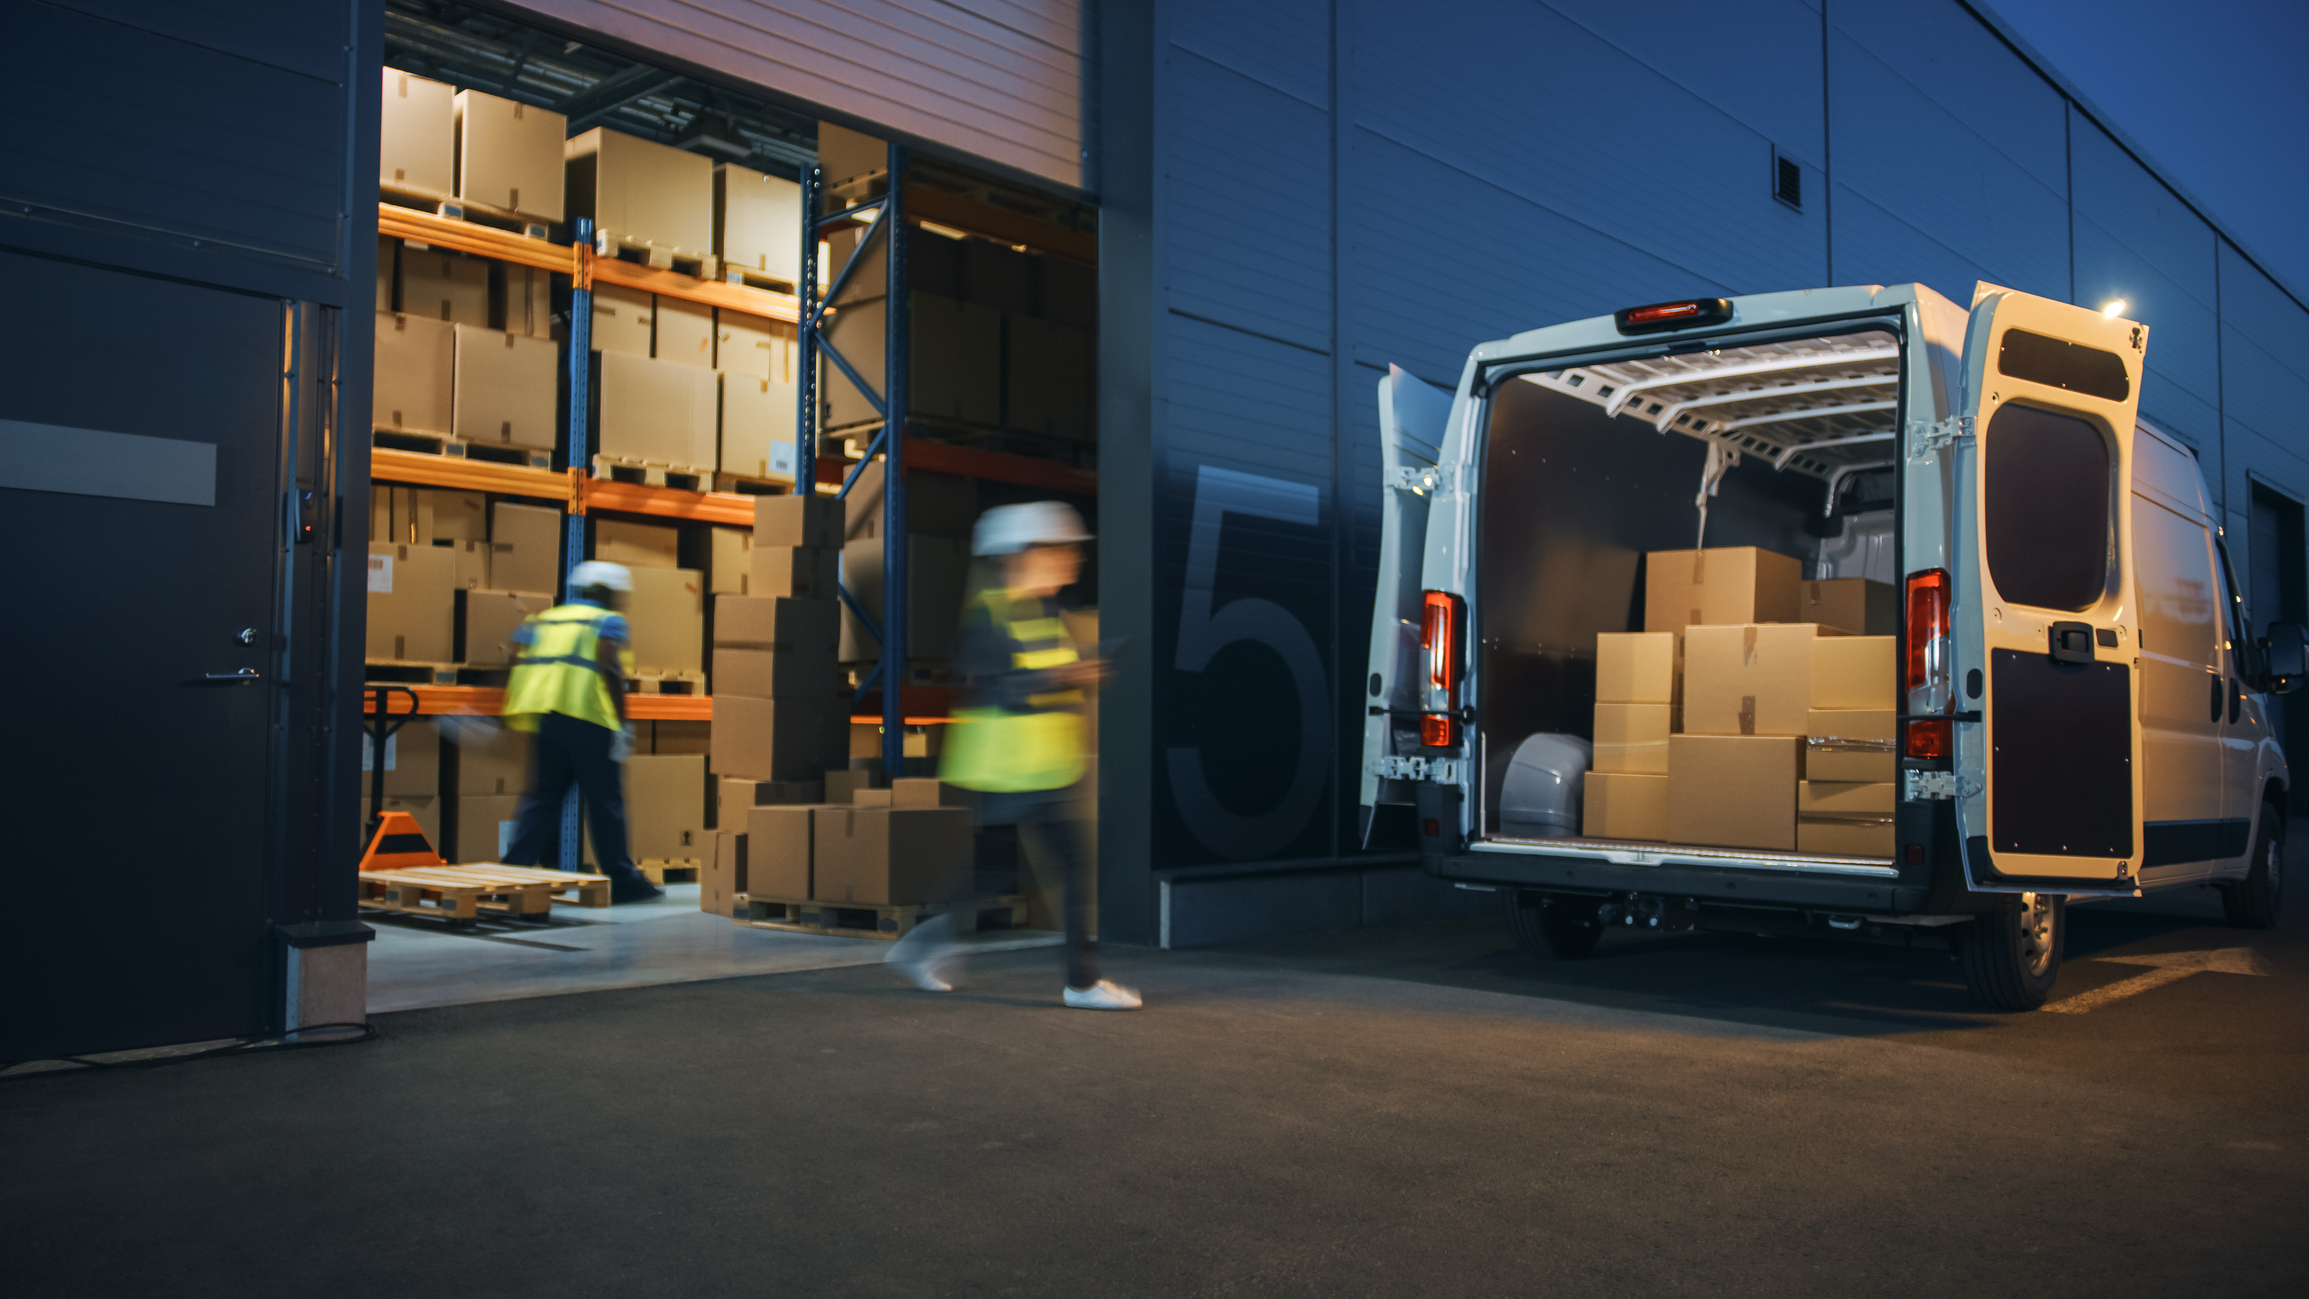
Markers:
{"x": 1748, "y": 646}
{"x": 1833, "y": 744}
{"x": 1748, "y": 713}
{"x": 1876, "y": 820}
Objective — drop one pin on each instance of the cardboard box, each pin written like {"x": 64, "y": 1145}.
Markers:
{"x": 845, "y": 155}
{"x": 1733, "y": 791}
{"x": 667, "y": 610}
{"x": 869, "y": 798}
{"x": 799, "y": 520}
{"x": 417, "y": 140}
{"x": 1632, "y": 738}
{"x": 1624, "y": 805}
{"x": 795, "y": 572}
{"x": 657, "y": 412}
{"x": 779, "y": 739}
{"x": 412, "y": 603}
{"x": 623, "y": 320}
{"x": 486, "y": 824}
{"x": 388, "y": 248}
{"x": 1752, "y": 679}
{"x": 529, "y": 302}
{"x": 1856, "y": 672}
{"x": 415, "y": 359}
{"x": 680, "y": 737}
{"x": 773, "y": 674}
{"x": 641, "y": 191}
{"x": 914, "y": 742}
{"x": 491, "y": 761}
{"x": 957, "y": 358}
{"x": 412, "y": 759}
{"x": 1719, "y": 586}
{"x": 442, "y": 286}
{"x": 755, "y": 346}
{"x": 1852, "y": 745}
{"x": 505, "y": 388}
{"x": 472, "y": 565}
{"x": 731, "y": 561}
{"x": 923, "y": 791}
{"x": 804, "y": 628}
{"x": 937, "y": 505}
{"x": 524, "y": 548}
{"x": 737, "y": 796}
{"x": 724, "y": 876}
{"x": 449, "y": 516}
{"x": 1053, "y": 376}
{"x": 685, "y": 332}
{"x": 842, "y": 786}
{"x": 757, "y": 427}
{"x": 779, "y": 851}
{"x": 1845, "y": 818}
{"x": 427, "y": 811}
{"x": 491, "y": 618}
{"x": 509, "y": 155}
{"x": 637, "y": 545}
{"x": 1854, "y": 606}
{"x": 938, "y": 574}
{"x": 882, "y": 855}
{"x": 665, "y": 807}
{"x": 758, "y": 222}
{"x": 1635, "y": 668}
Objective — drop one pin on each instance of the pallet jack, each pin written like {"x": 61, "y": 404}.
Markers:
{"x": 393, "y": 840}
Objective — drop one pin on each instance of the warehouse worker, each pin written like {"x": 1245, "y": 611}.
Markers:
{"x": 1018, "y": 740}
{"x": 568, "y": 687}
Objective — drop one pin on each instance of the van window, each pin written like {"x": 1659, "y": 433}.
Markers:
{"x": 2047, "y": 508}
{"x": 2058, "y": 363}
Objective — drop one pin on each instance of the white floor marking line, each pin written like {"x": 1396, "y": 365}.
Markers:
{"x": 2169, "y": 967}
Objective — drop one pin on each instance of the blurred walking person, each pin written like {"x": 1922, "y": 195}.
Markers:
{"x": 1018, "y": 740}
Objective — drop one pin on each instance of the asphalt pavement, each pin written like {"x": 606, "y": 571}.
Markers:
{"x": 1418, "y": 1111}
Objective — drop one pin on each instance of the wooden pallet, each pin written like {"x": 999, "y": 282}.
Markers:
{"x": 745, "y": 485}
{"x": 677, "y": 870}
{"x": 757, "y": 280}
{"x": 667, "y": 683}
{"x": 455, "y": 895}
{"x": 584, "y": 890}
{"x": 650, "y": 473}
{"x": 891, "y": 921}
{"x": 626, "y": 248}
{"x": 466, "y": 210}
{"x": 442, "y": 444}
{"x": 410, "y": 672}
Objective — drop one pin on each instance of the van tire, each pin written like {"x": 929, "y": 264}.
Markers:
{"x": 2254, "y": 901}
{"x": 1553, "y": 926}
{"x": 2012, "y": 954}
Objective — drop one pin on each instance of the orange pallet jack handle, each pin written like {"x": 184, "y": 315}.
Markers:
{"x": 382, "y": 724}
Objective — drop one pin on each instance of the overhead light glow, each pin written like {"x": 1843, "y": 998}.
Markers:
{"x": 2115, "y": 307}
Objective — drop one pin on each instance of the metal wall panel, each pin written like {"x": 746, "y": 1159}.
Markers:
{"x": 294, "y": 35}
{"x": 1285, "y": 44}
{"x": 2264, "y": 353}
{"x": 161, "y": 136}
{"x": 1000, "y": 79}
{"x": 1758, "y": 62}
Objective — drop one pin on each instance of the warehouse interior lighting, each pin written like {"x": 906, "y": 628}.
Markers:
{"x": 2114, "y": 307}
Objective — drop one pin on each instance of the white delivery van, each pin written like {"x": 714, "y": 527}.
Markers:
{"x": 2074, "y": 707}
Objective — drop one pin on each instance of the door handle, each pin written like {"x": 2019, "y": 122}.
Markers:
{"x": 2071, "y": 642}
{"x": 2236, "y": 701}
{"x": 2220, "y": 688}
{"x": 245, "y": 674}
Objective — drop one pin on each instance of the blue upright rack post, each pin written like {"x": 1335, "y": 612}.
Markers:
{"x": 578, "y": 356}
{"x": 894, "y": 479}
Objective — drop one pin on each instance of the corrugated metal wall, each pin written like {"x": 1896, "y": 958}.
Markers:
{"x": 998, "y": 79}
{"x": 1342, "y": 184}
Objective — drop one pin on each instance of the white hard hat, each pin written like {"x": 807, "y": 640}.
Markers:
{"x": 1008, "y": 529}
{"x": 595, "y": 572}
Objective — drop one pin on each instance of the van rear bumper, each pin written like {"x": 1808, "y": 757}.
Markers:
{"x": 1843, "y": 884}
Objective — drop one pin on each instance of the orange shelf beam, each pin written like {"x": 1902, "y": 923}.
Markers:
{"x": 713, "y": 293}
{"x": 488, "y": 701}
{"x": 466, "y": 237}
{"x": 460, "y": 474}
{"x": 925, "y": 204}
{"x": 731, "y": 509}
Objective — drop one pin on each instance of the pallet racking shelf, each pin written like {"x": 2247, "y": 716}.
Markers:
{"x": 434, "y": 231}
{"x": 458, "y": 474}
{"x": 674, "y": 284}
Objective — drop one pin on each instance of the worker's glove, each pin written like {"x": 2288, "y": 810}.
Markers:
{"x": 621, "y": 745}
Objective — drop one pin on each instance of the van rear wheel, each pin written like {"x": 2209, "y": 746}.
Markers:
{"x": 2253, "y": 902}
{"x": 2012, "y": 954}
{"x": 1554, "y": 926}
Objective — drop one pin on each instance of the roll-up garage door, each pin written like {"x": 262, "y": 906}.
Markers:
{"x": 1000, "y": 79}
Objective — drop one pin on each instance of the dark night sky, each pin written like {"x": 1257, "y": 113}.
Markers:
{"x": 2214, "y": 93}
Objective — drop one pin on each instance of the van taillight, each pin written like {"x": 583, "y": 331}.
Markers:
{"x": 1673, "y": 315}
{"x": 1442, "y": 634}
{"x": 1931, "y": 675}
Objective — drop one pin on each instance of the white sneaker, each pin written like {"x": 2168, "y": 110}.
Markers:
{"x": 1105, "y": 994}
{"x": 925, "y": 954}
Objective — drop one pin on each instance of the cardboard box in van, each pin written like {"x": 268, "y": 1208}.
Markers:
{"x": 1750, "y": 679}
{"x": 1635, "y": 668}
{"x": 1852, "y": 605}
{"x": 1719, "y": 585}
{"x": 1845, "y": 818}
{"x": 1624, "y": 805}
{"x": 1632, "y": 738}
{"x": 1733, "y": 791}
{"x": 1851, "y": 672}
{"x": 1851, "y": 744}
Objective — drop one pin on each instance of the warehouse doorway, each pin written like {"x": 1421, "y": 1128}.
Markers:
{"x": 143, "y": 516}
{"x": 2279, "y": 577}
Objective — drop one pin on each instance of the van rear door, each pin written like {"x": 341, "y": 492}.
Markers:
{"x": 2045, "y": 556}
{"x": 1412, "y": 418}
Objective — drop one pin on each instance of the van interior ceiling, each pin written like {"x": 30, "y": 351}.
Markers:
{"x": 1787, "y": 445}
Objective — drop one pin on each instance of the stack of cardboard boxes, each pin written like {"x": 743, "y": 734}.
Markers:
{"x": 451, "y": 574}
{"x": 1729, "y": 722}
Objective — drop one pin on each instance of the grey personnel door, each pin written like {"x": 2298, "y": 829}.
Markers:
{"x": 136, "y": 790}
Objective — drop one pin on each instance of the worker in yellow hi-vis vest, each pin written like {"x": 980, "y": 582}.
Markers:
{"x": 568, "y": 687}
{"x": 1018, "y": 739}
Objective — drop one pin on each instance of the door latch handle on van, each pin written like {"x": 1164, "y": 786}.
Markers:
{"x": 2071, "y": 642}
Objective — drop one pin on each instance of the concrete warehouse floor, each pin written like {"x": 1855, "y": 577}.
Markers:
{"x": 1418, "y": 1111}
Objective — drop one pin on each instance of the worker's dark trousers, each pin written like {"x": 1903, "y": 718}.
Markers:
{"x": 570, "y": 752}
{"x": 1049, "y": 825}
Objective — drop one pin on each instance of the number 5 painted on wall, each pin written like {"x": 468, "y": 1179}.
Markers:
{"x": 1205, "y": 630}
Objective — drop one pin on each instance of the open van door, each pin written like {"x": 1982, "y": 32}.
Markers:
{"x": 2045, "y": 592}
{"x": 1412, "y": 419}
